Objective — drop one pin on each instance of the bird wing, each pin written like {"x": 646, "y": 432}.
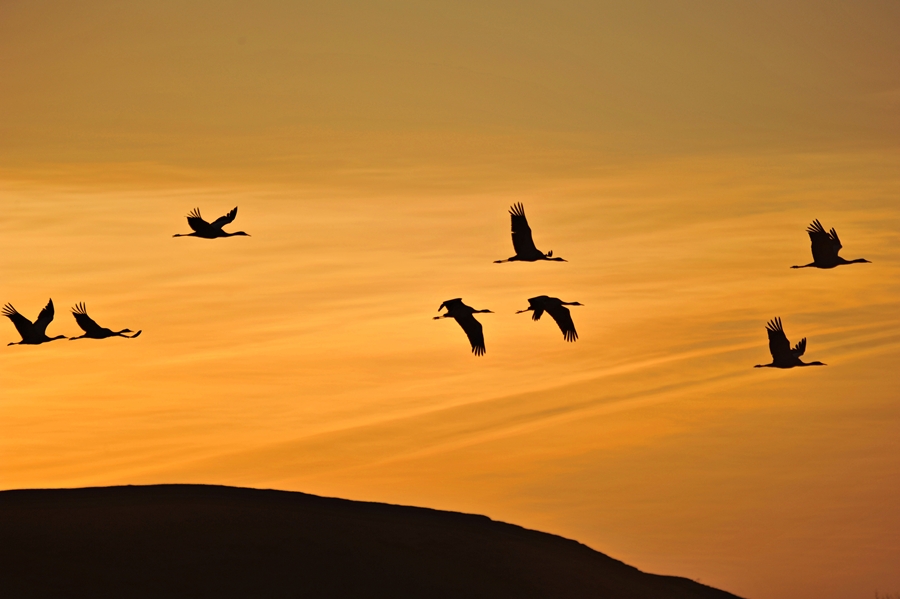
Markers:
{"x": 800, "y": 348}
{"x": 23, "y": 325}
{"x": 563, "y": 318}
{"x": 836, "y": 242}
{"x": 44, "y": 318}
{"x": 537, "y": 305}
{"x": 224, "y": 220}
{"x": 450, "y": 302}
{"x": 86, "y": 323}
{"x": 474, "y": 332}
{"x": 521, "y": 232}
{"x": 779, "y": 346}
{"x": 825, "y": 246}
{"x": 196, "y": 222}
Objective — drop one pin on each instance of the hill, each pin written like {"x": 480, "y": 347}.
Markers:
{"x": 210, "y": 541}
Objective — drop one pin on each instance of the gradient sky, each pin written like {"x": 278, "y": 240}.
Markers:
{"x": 673, "y": 153}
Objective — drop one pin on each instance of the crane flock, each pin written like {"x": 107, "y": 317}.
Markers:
{"x": 825, "y": 247}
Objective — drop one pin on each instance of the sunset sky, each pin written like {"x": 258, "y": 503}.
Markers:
{"x": 673, "y": 153}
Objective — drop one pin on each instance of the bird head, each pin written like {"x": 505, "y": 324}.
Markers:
{"x": 241, "y": 233}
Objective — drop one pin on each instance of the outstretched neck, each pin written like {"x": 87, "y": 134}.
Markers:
{"x": 805, "y": 265}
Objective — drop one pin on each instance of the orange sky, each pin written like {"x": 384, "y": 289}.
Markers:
{"x": 673, "y": 154}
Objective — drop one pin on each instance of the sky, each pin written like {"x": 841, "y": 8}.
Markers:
{"x": 673, "y": 153}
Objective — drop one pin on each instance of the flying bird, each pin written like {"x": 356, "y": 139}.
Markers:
{"x": 825, "y": 248}
{"x": 556, "y": 308}
{"x": 783, "y": 356}
{"x": 522, "y": 241}
{"x": 209, "y": 230}
{"x": 33, "y": 333}
{"x": 92, "y": 330}
{"x": 462, "y": 313}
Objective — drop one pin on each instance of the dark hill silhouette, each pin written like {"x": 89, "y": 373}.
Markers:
{"x": 208, "y": 541}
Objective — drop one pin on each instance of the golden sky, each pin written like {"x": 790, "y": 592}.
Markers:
{"x": 673, "y": 153}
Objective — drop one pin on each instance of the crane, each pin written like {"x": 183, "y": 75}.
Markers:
{"x": 463, "y": 315}
{"x": 209, "y": 230}
{"x": 33, "y": 333}
{"x": 522, "y": 240}
{"x": 556, "y": 308}
{"x": 783, "y": 355}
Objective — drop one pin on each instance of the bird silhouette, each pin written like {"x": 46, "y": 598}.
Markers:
{"x": 556, "y": 308}
{"x": 92, "y": 330}
{"x": 783, "y": 356}
{"x": 825, "y": 248}
{"x": 522, "y": 241}
{"x": 209, "y": 230}
{"x": 462, "y": 313}
{"x": 33, "y": 333}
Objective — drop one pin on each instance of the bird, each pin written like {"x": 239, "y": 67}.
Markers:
{"x": 783, "y": 356}
{"x": 556, "y": 308}
{"x": 522, "y": 241}
{"x": 462, "y": 313}
{"x": 92, "y": 330}
{"x": 825, "y": 248}
{"x": 209, "y": 230}
{"x": 33, "y": 333}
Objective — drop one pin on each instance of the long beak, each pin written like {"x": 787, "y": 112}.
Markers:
{"x": 520, "y": 311}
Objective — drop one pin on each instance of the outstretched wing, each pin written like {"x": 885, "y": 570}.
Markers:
{"x": 457, "y": 301}
{"x": 521, "y": 232}
{"x": 44, "y": 319}
{"x": 23, "y": 325}
{"x": 474, "y": 332}
{"x": 86, "y": 323}
{"x": 563, "y": 319}
{"x": 537, "y": 306}
{"x": 196, "y": 222}
{"x": 224, "y": 220}
{"x": 779, "y": 346}
{"x": 800, "y": 348}
{"x": 825, "y": 245}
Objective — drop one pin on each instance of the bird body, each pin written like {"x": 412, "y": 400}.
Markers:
{"x": 557, "y": 310}
{"x": 94, "y": 331}
{"x": 463, "y": 315}
{"x": 523, "y": 243}
{"x": 783, "y": 355}
{"x": 209, "y": 230}
{"x": 825, "y": 247}
{"x": 33, "y": 333}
